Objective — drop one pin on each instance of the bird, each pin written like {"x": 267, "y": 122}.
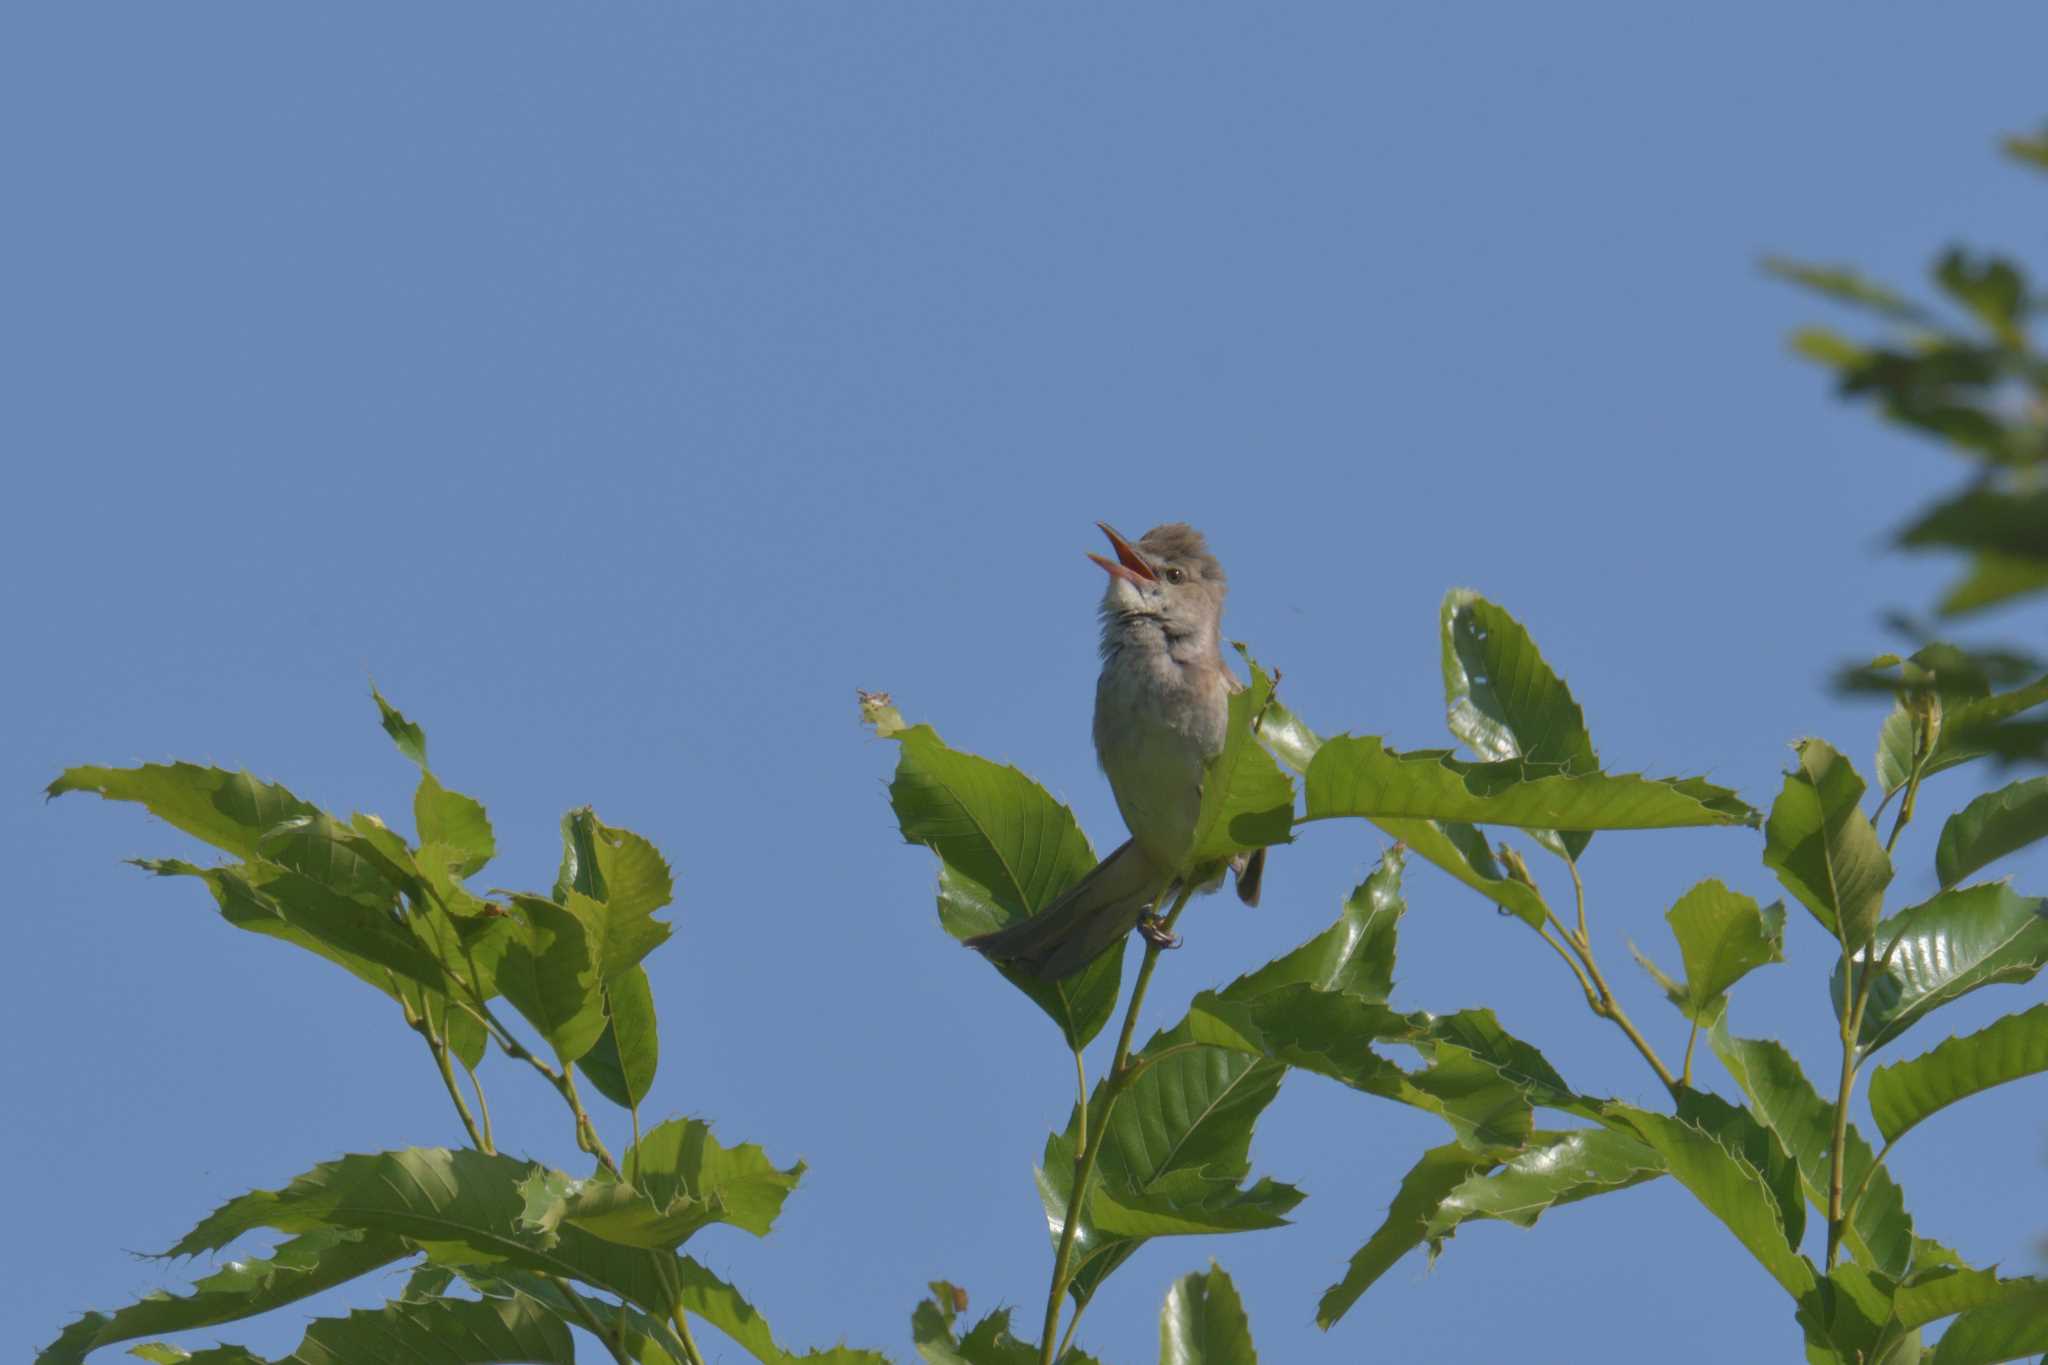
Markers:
{"x": 1162, "y": 706}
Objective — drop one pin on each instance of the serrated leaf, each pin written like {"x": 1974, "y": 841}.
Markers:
{"x": 623, "y": 871}
{"x": 439, "y": 1332}
{"x": 622, "y": 1062}
{"x": 675, "y": 1182}
{"x": 2014, "y": 524}
{"x": 1722, "y": 937}
{"x": 1247, "y": 802}
{"x": 1355, "y": 955}
{"x": 1181, "y": 1130}
{"x": 647, "y": 1340}
{"x": 1203, "y": 1322}
{"x": 1947, "y": 947}
{"x": 2015, "y": 1326}
{"x": 1357, "y": 775}
{"x": 1904, "y": 1093}
{"x": 299, "y": 1267}
{"x": 1992, "y": 579}
{"x": 1007, "y": 849}
{"x": 1506, "y": 702}
{"x": 231, "y": 811}
{"x": 1990, "y": 827}
{"x": 1823, "y": 848}
{"x": 1879, "y": 1230}
{"x": 1731, "y": 1189}
{"x": 454, "y": 821}
{"x": 1428, "y": 1183}
{"x": 410, "y": 738}
{"x": 550, "y": 974}
{"x": 1555, "y": 1169}
{"x": 1943, "y": 1291}
{"x": 466, "y": 1207}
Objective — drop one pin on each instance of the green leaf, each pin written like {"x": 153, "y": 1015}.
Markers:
{"x": 1823, "y": 848}
{"x": 1178, "y": 1139}
{"x": 1946, "y": 948}
{"x": 623, "y": 879}
{"x": 621, "y": 1063}
{"x": 1423, "y": 1190}
{"x": 550, "y": 975}
{"x": 1784, "y": 1101}
{"x": 676, "y": 1181}
{"x": 440, "y": 1332}
{"x": 1557, "y": 1168}
{"x": 345, "y": 929}
{"x": 2015, "y": 1326}
{"x": 1904, "y": 1093}
{"x": 1993, "y": 825}
{"x": 1007, "y": 849}
{"x": 1247, "y": 802}
{"x": 1994, "y": 578}
{"x": 2029, "y": 150}
{"x": 231, "y": 811}
{"x": 1935, "y": 684}
{"x": 299, "y": 1267}
{"x": 1944, "y": 1290}
{"x": 2014, "y": 524}
{"x": 718, "y": 1303}
{"x": 1992, "y": 289}
{"x": 1353, "y": 775}
{"x": 466, "y": 1207}
{"x": 410, "y": 738}
{"x": 1203, "y": 1322}
{"x": 1355, "y": 955}
{"x": 932, "y": 1326}
{"x": 455, "y": 822}
{"x": 1507, "y": 703}
{"x": 1457, "y": 848}
{"x": 1731, "y": 1188}
{"x": 1722, "y": 937}
{"x": 648, "y": 1340}
{"x": 1844, "y": 285}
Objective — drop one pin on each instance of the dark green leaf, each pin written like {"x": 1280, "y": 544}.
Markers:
{"x": 1823, "y": 848}
{"x": 440, "y": 1332}
{"x": 1353, "y": 775}
{"x": 2030, "y": 150}
{"x": 1722, "y": 937}
{"x": 1946, "y": 948}
{"x": 1247, "y": 802}
{"x": 1992, "y": 289}
{"x": 1423, "y": 1190}
{"x": 1555, "y": 1169}
{"x": 2013, "y": 524}
{"x": 624, "y": 879}
{"x": 1904, "y": 1093}
{"x": 1784, "y": 1101}
{"x": 621, "y": 1063}
{"x": 301, "y": 1266}
{"x": 677, "y": 1180}
{"x": 410, "y": 738}
{"x": 1942, "y": 1291}
{"x": 1731, "y": 1188}
{"x": 1994, "y": 578}
{"x": 1993, "y": 825}
{"x": 231, "y": 811}
{"x": 1007, "y": 849}
{"x": 550, "y": 975}
{"x": 1507, "y": 703}
{"x": 1203, "y": 1322}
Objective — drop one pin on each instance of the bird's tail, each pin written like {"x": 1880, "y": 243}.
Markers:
{"x": 1087, "y": 918}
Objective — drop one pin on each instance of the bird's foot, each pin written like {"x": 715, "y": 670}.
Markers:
{"x": 1157, "y": 934}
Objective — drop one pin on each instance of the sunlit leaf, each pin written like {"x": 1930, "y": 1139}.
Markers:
{"x": 1990, "y": 827}
{"x": 1555, "y": 1169}
{"x": 1822, "y": 846}
{"x": 676, "y": 1181}
{"x": 1247, "y": 802}
{"x": 1990, "y": 288}
{"x": 231, "y": 811}
{"x": 2014, "y": 1326}
{"x": 1994, "y": 578}
{"x": 621, "y": 1063}
{"x": 1357, "y": 775}
{"x": 2014, "y": 524}
{"x": 1845, "y": 285}
{"x": 1722, "y": 937}
{"x": 1203, "y": 1322}
{"x": 1904, "y": 1093}
{"x": 1507, "y": 703}
{"x": 549, "y": 973}
{"x": 1945, "y": 948}
{"x": 1355, "y": 955}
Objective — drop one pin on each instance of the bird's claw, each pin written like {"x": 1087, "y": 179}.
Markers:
{"x": 1157, "y": 934}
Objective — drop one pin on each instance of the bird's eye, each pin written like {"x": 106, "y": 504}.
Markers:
{"x": 1174, "y": 575}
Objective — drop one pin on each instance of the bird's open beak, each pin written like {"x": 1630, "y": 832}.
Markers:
{"x": 1128, "y": 564}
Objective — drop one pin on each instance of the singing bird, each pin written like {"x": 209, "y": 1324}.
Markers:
{"x": 1162, "y": 705}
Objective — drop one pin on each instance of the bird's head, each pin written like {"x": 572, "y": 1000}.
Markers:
{"x": 1168, "y": 576}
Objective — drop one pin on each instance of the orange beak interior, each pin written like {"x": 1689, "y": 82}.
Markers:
{"x": 1128, "y": 564}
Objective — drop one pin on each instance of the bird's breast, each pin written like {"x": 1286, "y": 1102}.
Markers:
{"x": 1157, "y": 724}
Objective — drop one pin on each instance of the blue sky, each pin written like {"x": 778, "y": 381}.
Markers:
{"x": 622, "y": 388}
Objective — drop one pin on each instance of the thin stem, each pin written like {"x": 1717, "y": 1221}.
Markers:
{"x": 1067, "y": 1337}
{"x": 586, "y": 1131}
{"x": 691, "y": 1354}
{"x": 665, "y": 1270}
{"x": 1579, "y": 895}
{"x": 423, "y": 1025}
{"x": 1685, "y": 1071}
{"x": 1838, "y": 1145}
{"x": 1856, "y": 1195}
{"x": 1905, "y": 812}
{"x": 1610, "y": 1008}
{"x": 483, "y": 1107}
{"x": 1592, "y": 1000}
{"x": 1121, "y": 1073}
